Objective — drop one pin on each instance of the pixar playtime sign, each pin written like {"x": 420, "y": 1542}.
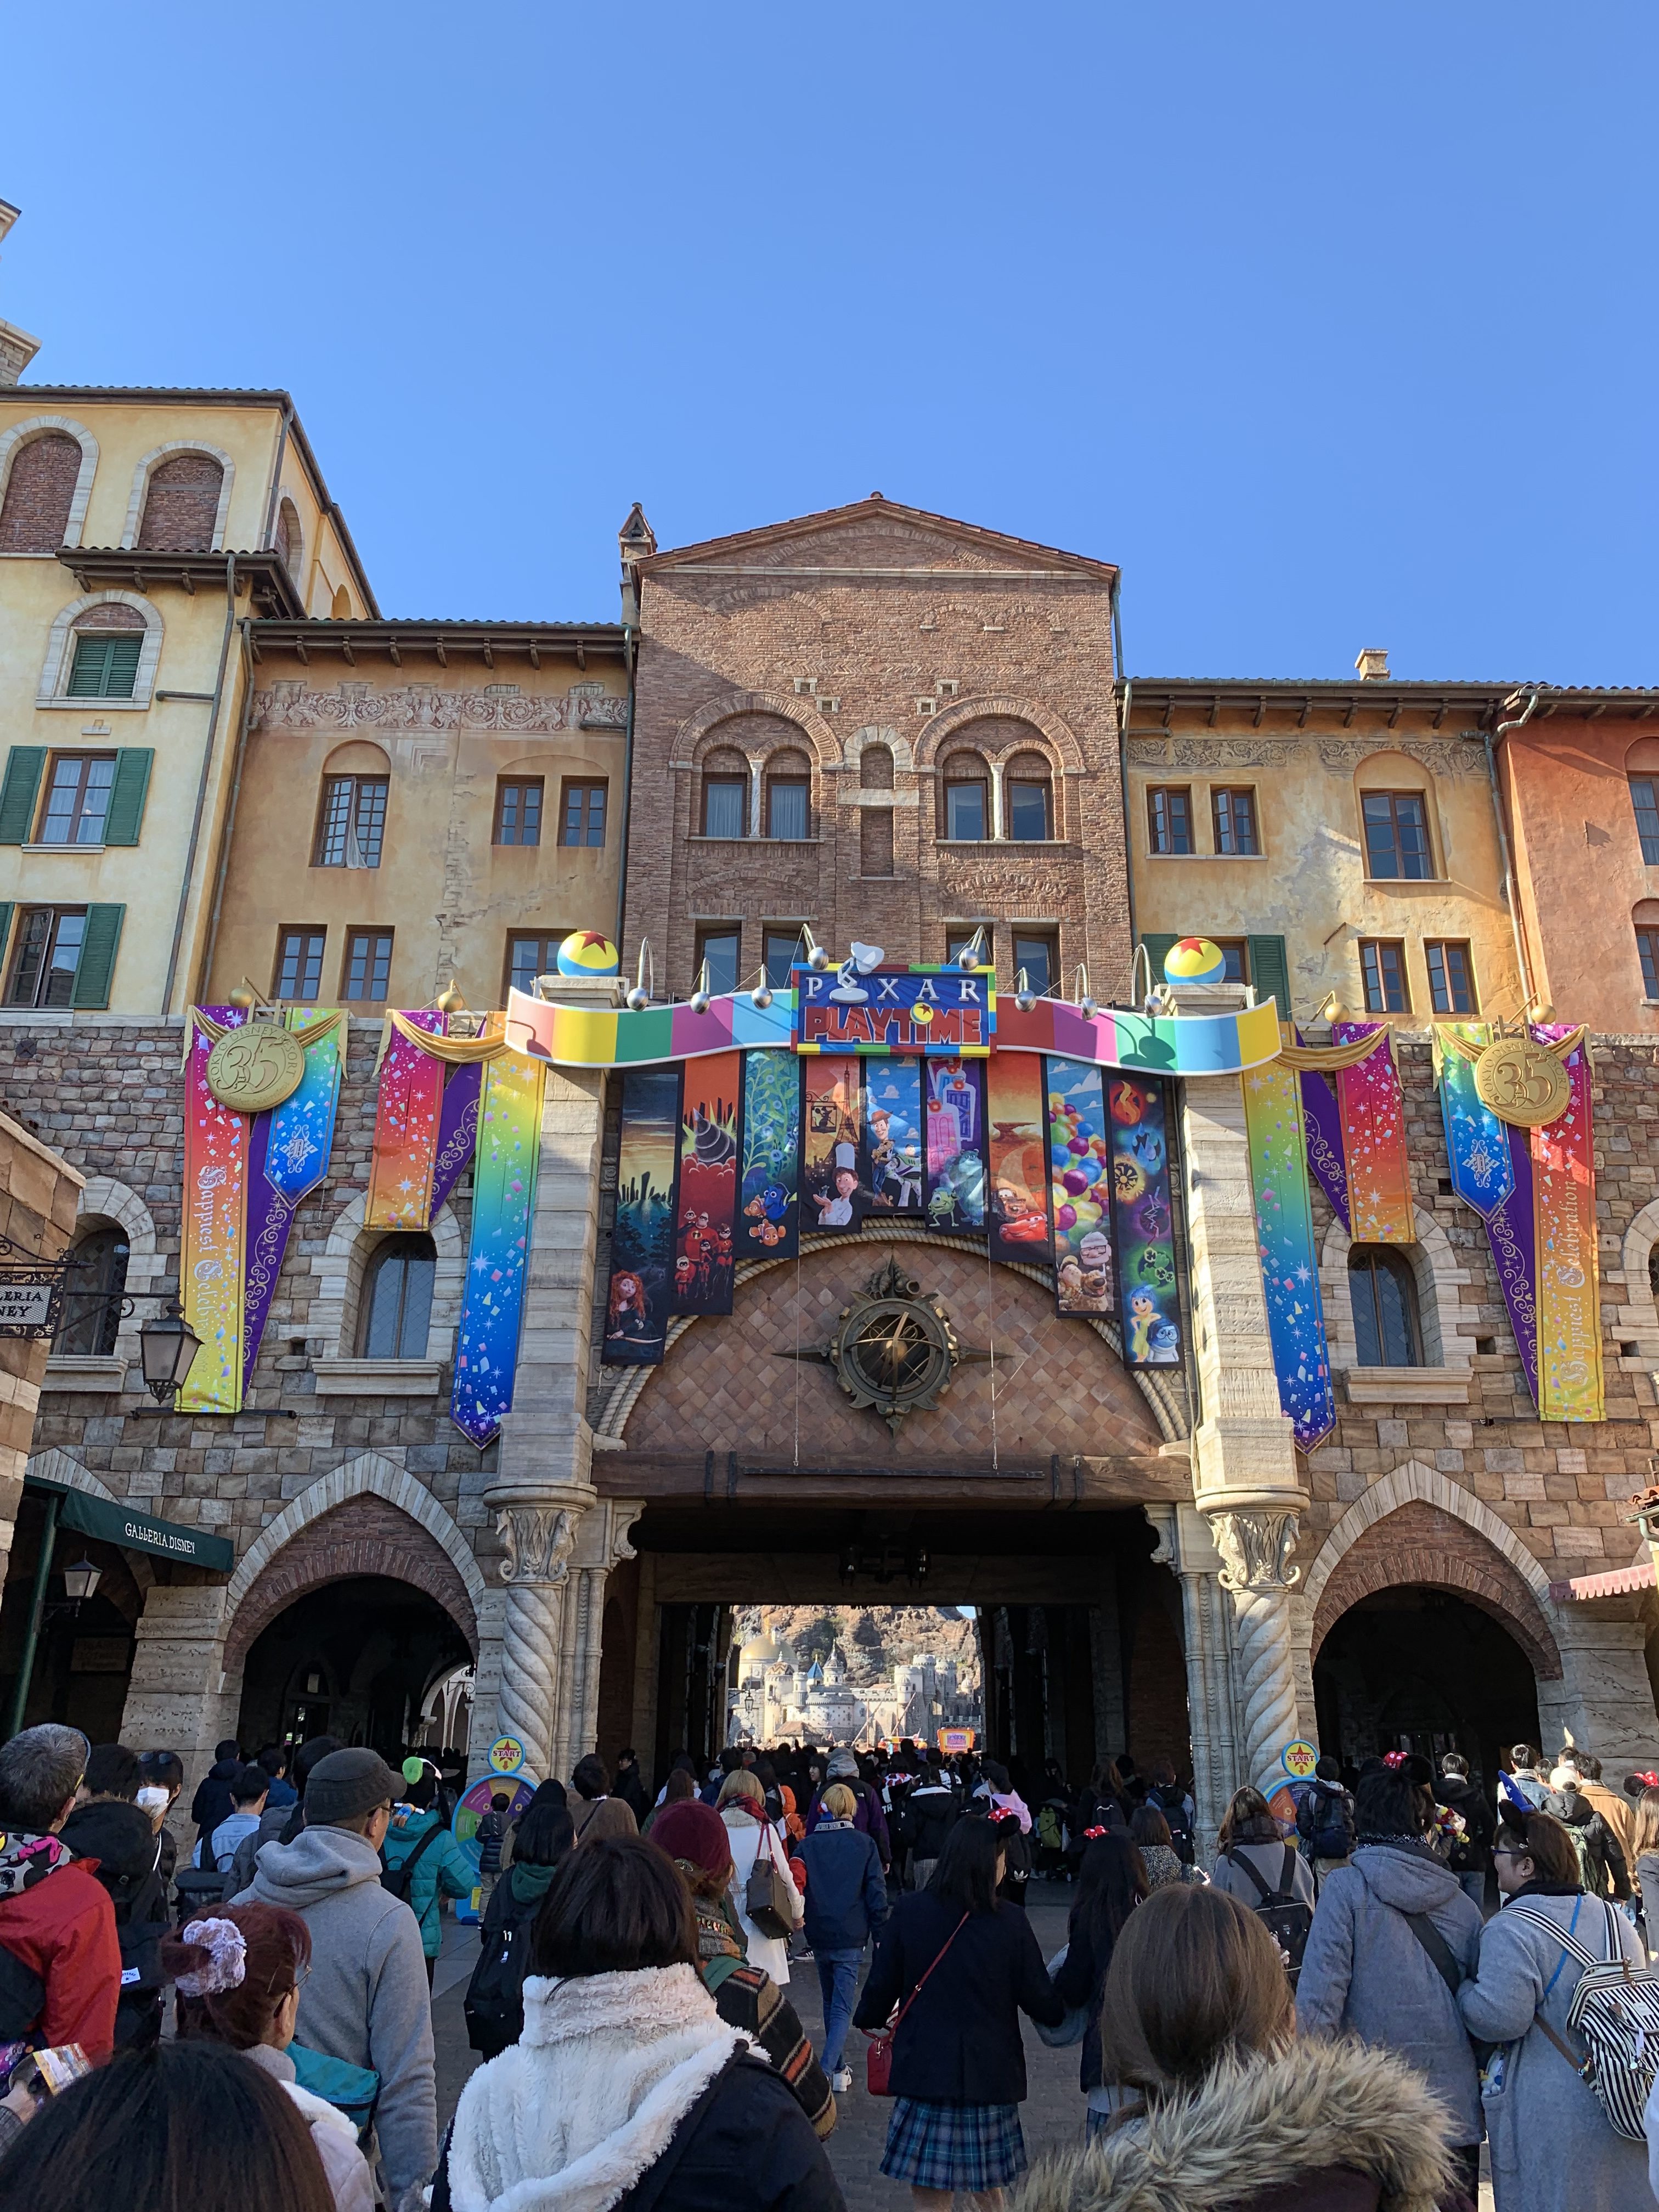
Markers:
{"x": 864, "y": 1007}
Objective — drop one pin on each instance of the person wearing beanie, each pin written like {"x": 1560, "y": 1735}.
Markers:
{"x": 366, "y": 2000}
{"x": 843, "y": 1766}
{"x": 746, "y": 1997}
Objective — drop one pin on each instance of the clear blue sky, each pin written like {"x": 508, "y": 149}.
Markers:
{"x": 1334, "y": 326}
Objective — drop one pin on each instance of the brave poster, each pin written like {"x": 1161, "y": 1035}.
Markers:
{"x": 709, "y": 1185}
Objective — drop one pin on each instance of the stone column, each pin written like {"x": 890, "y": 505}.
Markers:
{"x": 179, "y": 1698}
{"x": 538, "y": 1538}
{"x": 601, "y": 1544}
{"x": 1185, "y": 1543}
{"x": 1244, "y": 1472}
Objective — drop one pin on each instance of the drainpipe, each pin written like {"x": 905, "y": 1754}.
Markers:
{"x": 1123, "y": 774}
{"x": 243, "y": 720}
{"x": 1510, "y": 899}
{"x": 202, "y": 787}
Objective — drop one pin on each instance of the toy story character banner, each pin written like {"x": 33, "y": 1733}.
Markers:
{"x": 1079, "y": 1188}
{"x": 1143, "y": 1222}
{"x": 892, "y": 1137}
{"x": 864, "y": 1007}
{"x": 1284, "y": 1241}
{"x": 1372, "y": 1106}
{"x": 1018, "y": 1142}
{"x": 503, "y": 1200}
{"x": 642, "y": 1240}
{"x": 832, "y": 1195}
{"x": 953, "y": 1139}
{"x": 770, "y": 1152}
{"x": 708, "y": 1203}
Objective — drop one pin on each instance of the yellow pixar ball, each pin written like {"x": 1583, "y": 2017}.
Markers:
{"x": 587, "y": 952}
{"x": 1194, "y": 960}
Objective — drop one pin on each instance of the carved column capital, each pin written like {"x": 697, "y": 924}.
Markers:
{"x": 1256, "y": 1548}
{"x": 539, "y": 1540}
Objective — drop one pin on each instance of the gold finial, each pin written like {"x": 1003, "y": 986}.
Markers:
{"x": 452, "y": 1001}
{"x": 243, "y": 994}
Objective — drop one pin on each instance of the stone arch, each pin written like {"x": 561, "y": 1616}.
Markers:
{"x": 104, "y": 1199}
{"x": 146, "y": 468}
{"x": 339, "y": 1526}
{"x": 54, "y": 673}
{"x": 1438, "y": 1278}
{"x": 881, "y": 736}
{"x": 339, "y": 1271}
{"x": 288, "y": 540}
{"x": 358, "y": 757}
{"x": 695, "y": 733}
{"x": 1427, "y": 1543}
{"x": 1639, "y": 1316}
{"x": 40, "y": 426}
{"x": 1047, "y": 732}
{"x": 57, "y": 1466}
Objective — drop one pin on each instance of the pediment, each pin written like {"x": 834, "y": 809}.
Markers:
{"x": 873, "y": 536}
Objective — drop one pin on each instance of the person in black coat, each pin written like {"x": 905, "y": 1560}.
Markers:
{"x": 111, "y": 1832}
{"x": 211, "y": 1802}
{"x": 1111, "y": 1882}
{"x": 960, "y": 1966}
{"x": 930, "y": 1814}
{"x": 629, "y": 1784}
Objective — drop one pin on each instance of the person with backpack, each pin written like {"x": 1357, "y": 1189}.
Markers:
{"x": 423, "y": 1863}
{"x": 249, "y": 1787}
{"x": 60, "y": 1954}
{"x": 1552, "y": 2147}
{"x": 1324, "y": 1820}
{"x": 120, "y": 1844}
{"x": 1176, "y": 1806}
{"x": 491, "y": 1832}
{"x": 211, "y": 1802}
{"x": 1469, "y": 1855}
{"x": 1394, "y": 1937}
{"x": 1256, "y": 1865}
{"x": 930, "y": 1814}
{"x": 494, "y": 2004}
{"x": 1602, "y": 1864}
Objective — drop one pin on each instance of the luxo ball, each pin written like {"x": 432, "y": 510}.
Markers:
{"x": 1194, "y": 960}
{"x": 587, "y": 952}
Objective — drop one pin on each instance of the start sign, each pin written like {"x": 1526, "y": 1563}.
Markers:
{"x": 864, "y": 1007}
{"x": 1299, "y": 1760}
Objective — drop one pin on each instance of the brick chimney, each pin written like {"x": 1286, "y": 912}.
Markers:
{"x": 1373, "y": 666}
{"x": 17, "y": 348}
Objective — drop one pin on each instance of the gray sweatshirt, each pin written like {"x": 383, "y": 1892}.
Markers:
{"x": 365, "y": 1999}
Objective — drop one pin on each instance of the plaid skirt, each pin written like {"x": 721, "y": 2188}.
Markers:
{"x": 954, "y": 2146}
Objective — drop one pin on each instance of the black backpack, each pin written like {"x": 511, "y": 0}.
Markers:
{"x": 494, "y": 2004}
{"x": 1288, "y": 1918}
{"x": 1325, "y": 1818}
{"x": 1174, "y": 1809}
{"x": 398, "y": 1879}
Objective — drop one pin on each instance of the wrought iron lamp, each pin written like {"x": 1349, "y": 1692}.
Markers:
{"x": 167, "y": 1346}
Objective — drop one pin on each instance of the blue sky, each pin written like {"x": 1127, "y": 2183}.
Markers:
{"x": 1335, "y": 327}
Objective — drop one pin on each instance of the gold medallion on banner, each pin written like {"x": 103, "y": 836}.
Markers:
{"x": 255, "y": 1067}
{"x": 1522, "y": 1082}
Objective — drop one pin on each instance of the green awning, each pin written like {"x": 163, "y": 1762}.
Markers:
{"x": 137, "y": 1531}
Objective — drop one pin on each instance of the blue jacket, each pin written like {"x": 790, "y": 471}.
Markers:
{"x": 846, "y": 1896}
{"x": 443, "y": 1866}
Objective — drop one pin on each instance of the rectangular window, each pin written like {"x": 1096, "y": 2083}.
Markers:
{"x": 1169, "y": 818}
{"x": 875, "y": 841}
{"x": 1028, "y": 811}
{"x": 530, "y": 957}
{"x": 786, "y": 809}
{"x": 956, "y": 942}
{"x": 725, "y": 803}
{"x": 77, "y": 799}
{"x": 1384, "y": 959}
{"x": 519, "y": 811}
{"x": 1647, "y": 944}
{"x": 1039, "y": 956}
{"x": 1234, "y": 821}
{"x": 1397, "y": 835}
{"x": 49, "y": 941}
{"x": 581, "y": 813}
{"x": 1451, "y": 978}
{"x": 106, "y": 664}
{"x": 352, "y": 821}
{"x": 1235, "y": 951}
{"x": 966, "y": 812}
{"x": 1645, "y": 800}
{"x": 367, "y": 965}
{"x": 720, "y": 945}
{"x": 299, "y": 962}
{"x": 781, "y": 949}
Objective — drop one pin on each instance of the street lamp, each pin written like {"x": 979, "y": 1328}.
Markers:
{"x": 79, "y": 1581}
{"x": 167, "y": 1345}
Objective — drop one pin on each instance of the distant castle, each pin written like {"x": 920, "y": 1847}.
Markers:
{"x": 777, "y": 1695}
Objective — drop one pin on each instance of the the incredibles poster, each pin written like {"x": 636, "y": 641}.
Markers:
{"x": 643, "y": 1240}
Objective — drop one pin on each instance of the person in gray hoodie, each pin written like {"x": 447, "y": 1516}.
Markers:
{"x": 1368, "y": 1971}
{"x": 365, "y": 2000}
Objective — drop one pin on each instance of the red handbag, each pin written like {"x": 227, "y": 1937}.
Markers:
{"x": 878, "y": 2058}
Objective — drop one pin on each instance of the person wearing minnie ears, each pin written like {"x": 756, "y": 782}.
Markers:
{"x": 957, "y": 1967}
{"x": 1553, "y": 2148}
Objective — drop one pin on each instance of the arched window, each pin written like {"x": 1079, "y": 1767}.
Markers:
{"x": 726, "y": 795}
{"x": 93, "y": 1286}
{"x": 1386, "y": 1329}
{"x": 967, "y": 802}
{"x": 1030, "y": 799}
{"x": 108, "y": 640}
{"x": 340, "y": 610}
{"x": 396, "y": 1306}
{"x": 788, "y": 797}
{"x": 287, "y": 539}
{"x": 40, "y": 492}
{"x": 181, "y": 505}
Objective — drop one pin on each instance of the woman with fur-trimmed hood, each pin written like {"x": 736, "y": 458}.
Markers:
{"x": 1226, "y": 2108}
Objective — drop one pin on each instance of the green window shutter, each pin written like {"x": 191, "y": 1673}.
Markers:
{"x": 1155, "y": 948}
{"x": 105, "y": 665}
{"x": 25, "y": 764}
{"x": 127, "y": 798}
{"x": 98, "y": 949}
{"x": 7, "y": 910}
{"x": 1270, "y": 971}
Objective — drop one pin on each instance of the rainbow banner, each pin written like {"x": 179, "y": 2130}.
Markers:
{"x": 1016, "y": 1119}
{"x": 1372, "y": 1106}
{"x": 214, "y": 1228}
{"x": 1143, "y": 1222}
{"x": 503, "y": 1196}
{"x": 287, "y": 1157}
{"x": 406, "y": 1116}
{"x": 1290, "y": 1258}
{"x": 1569, "y": 1373}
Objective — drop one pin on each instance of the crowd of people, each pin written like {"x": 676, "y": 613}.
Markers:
{"x": 1368, "y": 1979}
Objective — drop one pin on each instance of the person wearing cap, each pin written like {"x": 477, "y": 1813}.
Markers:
{"x": 366, "y": 1999}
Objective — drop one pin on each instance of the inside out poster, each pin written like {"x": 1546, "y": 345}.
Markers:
{"x": 1145, "y": 1231}
{"x": 1079, "y": 1188}
{"x": 1018, "y": 1142}
{"x": 832, "y": 1193}
{"x": 707, "y": 1199}
{"x": 770, "y": 1153}
{"x": 954, "y": 1141}
{"x": 643, "y": 1240}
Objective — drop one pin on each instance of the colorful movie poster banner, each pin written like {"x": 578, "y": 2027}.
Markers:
{"x": 406, "y": 1114}
{"x": 1569, "y": 1373}
{"x": 831, "y": 1194}
{"x": 892, "y": 1136}
{"x": 1016, "y": 1123}
{"x": 708, "y": 1206}
{"x": 1079, "y": 1188}
{"x": 1321, "y": 1131}
{"x": 1477, "y": 1142}
{"x": 1289, "y": 1259}
{"x": 771, "y": 1156}
{"x": 1143, "y": 1221}
{"x": 503, "y": 1199}
{"x": 213, "y": 1261}
{"x": 953, "y": 1143}
{"x": 643, "y": 1240}
{"x": 287, "y": 1157}
{"x": 1372, "y": 1108}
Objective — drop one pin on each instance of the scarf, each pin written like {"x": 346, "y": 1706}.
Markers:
{"x": 1538, "y": 1887}
{"x": 720, "y": 1932}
